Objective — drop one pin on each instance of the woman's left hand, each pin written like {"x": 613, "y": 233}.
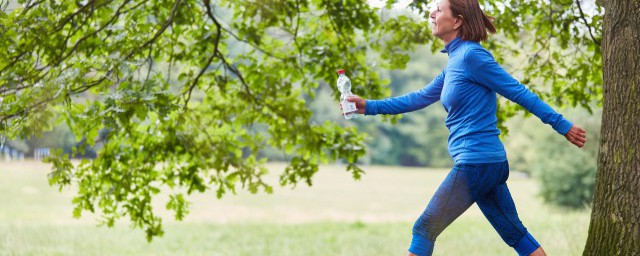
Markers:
{"x": 577, "y": 136}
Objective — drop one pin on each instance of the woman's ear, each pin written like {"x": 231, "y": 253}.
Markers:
{"x": 458, "y": 22}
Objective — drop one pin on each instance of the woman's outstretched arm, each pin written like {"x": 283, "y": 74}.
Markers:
{"x": 484, "y": 70}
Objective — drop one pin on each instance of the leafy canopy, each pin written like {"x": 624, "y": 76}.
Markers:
{"x": 182, "y": 95}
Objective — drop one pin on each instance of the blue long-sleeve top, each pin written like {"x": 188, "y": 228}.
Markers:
{"x": 467, "y": 88}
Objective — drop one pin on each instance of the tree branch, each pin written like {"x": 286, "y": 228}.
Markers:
{"x": 212, "y": 17}
{"x": 113, "y": 18}
{"x": 4, "y": 89}
{"x": 64, "y": 21}
{"x": 26, "y": 110}
{"x": 195, "y": 81}
{"x": 235, "y": 71}
{"x": 150, "y": 58}
{"x": 215, "y": 52}
{"x": 134, "y": 7}
{"x": 87, "y": 86}
{"x": 29, "y": 6}
{"x": 295, "y": 33}
{"x": 336, "y": 29}
{"x": 586, "y": 23}
{"x": 4, "y": 9}
{"x": 162, "y": 29}
{"x": 149, "y": 42}
{"x": 74, "y": 31}
{"x": 253, "y": 45}
{"x": 15, "y": 60}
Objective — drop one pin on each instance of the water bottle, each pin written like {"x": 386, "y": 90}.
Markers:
{"x": 344, "y": 86}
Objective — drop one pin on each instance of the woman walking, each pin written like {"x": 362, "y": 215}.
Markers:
{"x": 467, "y": 88}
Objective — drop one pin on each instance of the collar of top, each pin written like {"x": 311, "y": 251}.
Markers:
{"x": 452, "y": 46}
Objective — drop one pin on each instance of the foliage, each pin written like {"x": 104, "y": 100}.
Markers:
{"x": 560, "y": 42}
{"x": 416, "y": 139}
{"x": 568, "y": 182}
{"x": 182, "y": 87}
{"x": 566, "y": 175}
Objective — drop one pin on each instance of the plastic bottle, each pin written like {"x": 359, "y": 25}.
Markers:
{"x": 349, "y": 109}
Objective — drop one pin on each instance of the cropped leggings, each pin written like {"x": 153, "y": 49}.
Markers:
{"x": 484, "y": 184}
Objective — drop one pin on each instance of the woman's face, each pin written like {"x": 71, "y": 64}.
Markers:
{"x": 443, "y": 24}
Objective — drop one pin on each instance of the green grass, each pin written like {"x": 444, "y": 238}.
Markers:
{"x": 336, "y": 216}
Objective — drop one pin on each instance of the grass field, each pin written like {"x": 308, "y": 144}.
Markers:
{"x": 336, "y": 216}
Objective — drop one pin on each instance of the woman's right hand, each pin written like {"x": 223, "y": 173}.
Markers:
{"x": 361, "y": 104}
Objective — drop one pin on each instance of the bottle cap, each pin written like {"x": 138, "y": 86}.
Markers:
{"x": 340, "y": 71}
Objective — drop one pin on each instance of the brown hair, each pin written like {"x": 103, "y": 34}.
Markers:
{"x": 475, "y": 23}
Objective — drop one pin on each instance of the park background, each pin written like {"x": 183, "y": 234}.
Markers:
{"x": 337, "y": 215}
{"x": 551, "y": 182}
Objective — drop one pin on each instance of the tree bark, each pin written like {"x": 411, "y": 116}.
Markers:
{"x": 615, "y": 219}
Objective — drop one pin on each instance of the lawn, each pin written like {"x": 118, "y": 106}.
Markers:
{"x": 336, "y": 216}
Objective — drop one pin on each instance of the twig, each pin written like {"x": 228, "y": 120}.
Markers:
{"x": 150, "y": 63}
{"x": 15, "y": 60}
{"x": 162, "y": 29}
{"x": 113, "y": 18}
{"x": 195, "y": 81}
{"x": 586, "y": 23}
{"x": 215, "y": 52}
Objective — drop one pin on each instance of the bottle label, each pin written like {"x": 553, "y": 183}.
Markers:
{"x": 349, "y": 107}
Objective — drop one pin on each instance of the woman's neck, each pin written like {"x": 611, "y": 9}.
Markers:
{"x": 448, "y": 38}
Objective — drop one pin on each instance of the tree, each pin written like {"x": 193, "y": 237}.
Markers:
{"x": 615, "y": 219}
{"x": 181, "y": 85}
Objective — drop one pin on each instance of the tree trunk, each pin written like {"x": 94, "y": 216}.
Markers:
{"x": 615, "y": 220}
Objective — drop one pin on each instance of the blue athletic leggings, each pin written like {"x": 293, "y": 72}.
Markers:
{"x": 466, "y": 184}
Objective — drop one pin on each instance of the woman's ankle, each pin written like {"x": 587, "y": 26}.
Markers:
{"x": 538, "y": 252}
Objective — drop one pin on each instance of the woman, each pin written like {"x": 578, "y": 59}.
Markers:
{"x": 467, "y": 88}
